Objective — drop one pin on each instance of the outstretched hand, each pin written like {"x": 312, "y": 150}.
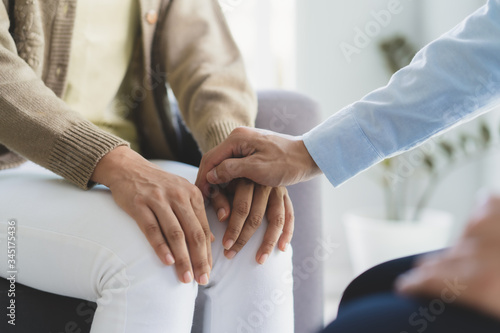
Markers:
{"x": 265, "y": 157}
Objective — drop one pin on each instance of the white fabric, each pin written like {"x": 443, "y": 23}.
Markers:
{"x": 81, "y": 244}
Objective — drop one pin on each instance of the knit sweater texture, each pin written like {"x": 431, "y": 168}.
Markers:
{"x": 185, "y": 43}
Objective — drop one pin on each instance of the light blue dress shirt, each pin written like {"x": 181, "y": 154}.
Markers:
{"x": 451, "y": 80}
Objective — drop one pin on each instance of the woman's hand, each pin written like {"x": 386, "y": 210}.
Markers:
{"x": 250, "y": 203}
{"x": 168, "y": 209}
{"x": 469, "y": 272}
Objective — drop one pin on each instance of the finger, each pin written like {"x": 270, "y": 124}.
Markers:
{"x": 197, "y": 238}
{"x": 199, "y": 209}
{"x": 417, "y": 282}
{"x": 221, "y": 205}
{"x": 276, "y": 220}
{"x": 253, "y": 221}
{"x": 175, "y": 237}
{"x": 422, "y": 280}
{"x": 226, "y": 149}
{"x": 286, "y": 236}
{"x": 233, "y": 168}
{"x": 241, "y": 208}
{"x": 150, "y": 227}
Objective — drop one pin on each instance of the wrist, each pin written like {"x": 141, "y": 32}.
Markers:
{"x": 309, "y": 167}
{"x": 111, "y": 166}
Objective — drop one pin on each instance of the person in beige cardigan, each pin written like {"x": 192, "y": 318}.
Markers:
{"x": 83, "y": 94}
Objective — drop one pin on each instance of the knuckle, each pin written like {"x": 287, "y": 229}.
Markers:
{"x": 177, "y": 195}
{"x": 278, "y": 221}
{"x": 193, "y": 191}
{"x": 183, "y": 262}
{"x": 288, "y": 234}
{"x": 269, "y": 244}
{"x": 254, "y": 221}
{"x": 151, "y": 229}
{"x": 207, "y": 233}
{"x": 157, "y": 194}
{"x": 198, "y": 238}
{"x": 161, "y": 247}
{"x": 240, "y": 242}
{"x": 242, "y": 208}
{"x": 233, "y": 230}
{"x": 201, "y": 264}
{"x": 175, "y": 235}
{"x": 197, "y": 195}
{"x": 138, "y": 200}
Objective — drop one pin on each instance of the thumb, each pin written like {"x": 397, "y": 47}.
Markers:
{"x": 228, "y": 170}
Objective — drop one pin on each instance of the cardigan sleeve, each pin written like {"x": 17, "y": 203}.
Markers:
{"x": 205, "y": 71}
{"x": 38, "y": 125}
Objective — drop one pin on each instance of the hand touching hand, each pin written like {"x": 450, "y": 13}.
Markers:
{"x": 265, "y": 157}
{"x": 472, "y": 266}
{"x": 250, "y": 203}
{"x": 168, "y": 209}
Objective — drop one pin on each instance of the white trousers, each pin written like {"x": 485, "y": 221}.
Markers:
{"x": 81, "y": 244}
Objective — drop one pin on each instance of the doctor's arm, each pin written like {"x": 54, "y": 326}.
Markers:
{"x": 453, "y": 79}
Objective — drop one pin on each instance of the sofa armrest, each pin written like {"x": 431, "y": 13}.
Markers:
{"x": 294, "y": 114}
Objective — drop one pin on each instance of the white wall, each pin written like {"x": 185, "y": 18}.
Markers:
{"x": 324, "y": 73}
{"x": 265, "y": 33}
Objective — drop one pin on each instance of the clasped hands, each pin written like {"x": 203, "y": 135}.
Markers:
{"x": 170, "y": 211}
{"x": 472, "y": 265}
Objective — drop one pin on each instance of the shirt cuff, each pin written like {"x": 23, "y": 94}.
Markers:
{"x": 340, "y": 148}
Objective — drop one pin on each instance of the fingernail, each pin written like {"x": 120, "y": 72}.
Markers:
{"x": 230, "y": 254}
{"x": 228, "y": 244}
{"x": 263, "y": 258}
{"x": 286, "y": 247}
{"x": 221, "y": 213}
{"x": 169, "y": 259}
{"x": 212, "y": 175}
{"x": 188, "y": 277}
{"x": 204, "y": 279}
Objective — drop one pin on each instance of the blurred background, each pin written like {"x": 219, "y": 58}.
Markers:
{"x": 301, "y": 45}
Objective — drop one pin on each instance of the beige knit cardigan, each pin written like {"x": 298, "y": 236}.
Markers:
{"x": 184, "y": 42}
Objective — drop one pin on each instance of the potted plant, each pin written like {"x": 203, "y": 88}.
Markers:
{"x": 405, "y": 225}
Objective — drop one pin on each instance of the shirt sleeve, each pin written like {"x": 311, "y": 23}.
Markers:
{"x": 451, "y": 80}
